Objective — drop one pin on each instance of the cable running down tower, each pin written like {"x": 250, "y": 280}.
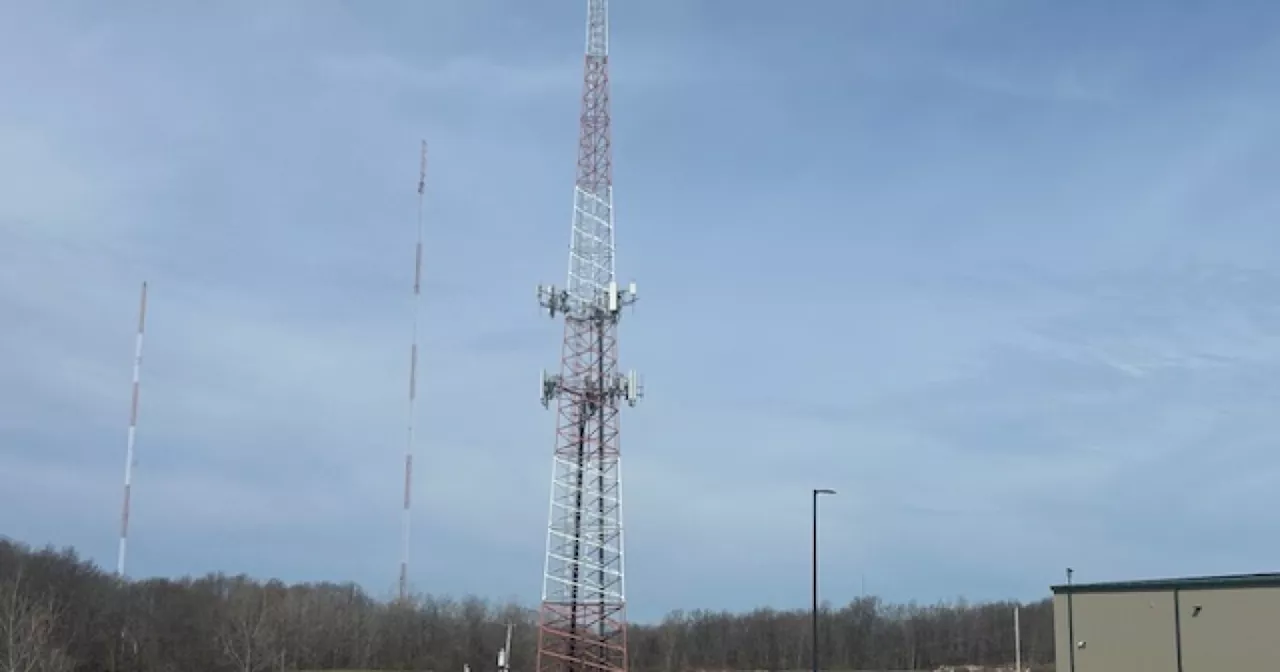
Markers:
{"x": 582, "y": 624}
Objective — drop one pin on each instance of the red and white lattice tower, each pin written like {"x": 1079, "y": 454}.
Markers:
{"x": 582, "y": 624}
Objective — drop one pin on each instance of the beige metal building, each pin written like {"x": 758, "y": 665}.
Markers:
{"x": 1205, "y": 624}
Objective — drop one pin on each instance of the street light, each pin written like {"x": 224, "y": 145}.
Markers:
{"x": 816, "y": 493}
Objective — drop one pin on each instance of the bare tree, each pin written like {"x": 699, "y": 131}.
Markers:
{"x": 219, "y": 624}
{"x": 248, "y": 635}
{"x": 27, "y": 626}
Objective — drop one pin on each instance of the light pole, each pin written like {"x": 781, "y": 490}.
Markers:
{"x": 816, "y": 493}
{"x": 1071, "y": 625}
{"x": 1017, "y": 638}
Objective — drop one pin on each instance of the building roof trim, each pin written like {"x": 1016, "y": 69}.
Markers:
{"x": 1268, "y": 580}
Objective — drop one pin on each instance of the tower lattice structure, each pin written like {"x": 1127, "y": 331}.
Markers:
{"x": 582, "y": 624}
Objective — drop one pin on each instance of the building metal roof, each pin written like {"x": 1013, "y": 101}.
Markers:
{"x": 1269, "y": 580}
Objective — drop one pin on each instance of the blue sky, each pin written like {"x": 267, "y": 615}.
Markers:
{"x": 1003, "y": 273}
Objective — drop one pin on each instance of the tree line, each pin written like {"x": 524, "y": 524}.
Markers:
{"x": 61, "y": 613}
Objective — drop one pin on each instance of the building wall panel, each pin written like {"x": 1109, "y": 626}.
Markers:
{"x": 1122, "y": 632}
{"x": 1229, "y": 629}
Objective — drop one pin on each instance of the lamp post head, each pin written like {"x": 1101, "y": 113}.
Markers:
{"x": 823, "y": 491}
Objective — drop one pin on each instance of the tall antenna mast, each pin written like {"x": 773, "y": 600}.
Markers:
{"x": 582, "y": 622}
{"x": 133, "y": 433}
{"x": 413, "y": 385}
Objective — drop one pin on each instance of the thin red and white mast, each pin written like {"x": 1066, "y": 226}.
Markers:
{"x": 132, "y": 435}
{"x": 413, "y": 384}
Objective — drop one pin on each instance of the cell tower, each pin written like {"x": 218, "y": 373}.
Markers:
{"x": 413, "y": 385}
{"x": 582, "y": 624}
{"x": 133, "y": 433}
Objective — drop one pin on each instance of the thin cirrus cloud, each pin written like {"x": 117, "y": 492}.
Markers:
{"x": 1002, "y": 284}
